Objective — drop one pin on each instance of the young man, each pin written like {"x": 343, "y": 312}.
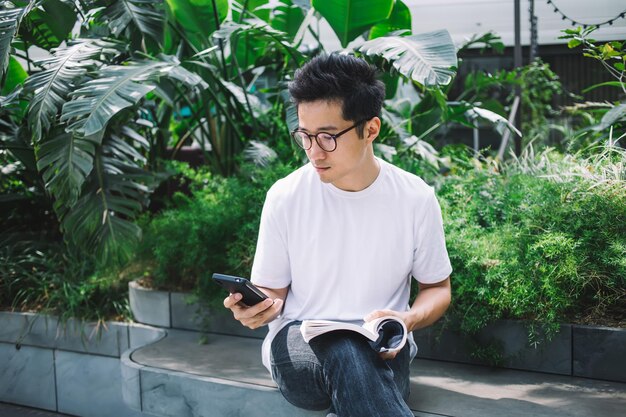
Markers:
{"x": 340, "y": 239}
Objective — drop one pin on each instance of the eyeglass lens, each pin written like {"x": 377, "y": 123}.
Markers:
{"x": 324, "y": 140}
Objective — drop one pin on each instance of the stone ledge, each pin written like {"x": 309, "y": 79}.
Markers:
{"x": 586, "y": 351}
{"x": 599, "y": 352}
{"x": 215, "y": 378}
{"x": 566, "y": 354}
{"x": 67, "y": 366}
{"x": 167, "y": 392}
{"x": 73, "y": 335}
{"x": 171, "y": 310}
{"x": 554, "y": 356}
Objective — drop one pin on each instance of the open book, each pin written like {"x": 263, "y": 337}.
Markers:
{"x": 386, "y": 334}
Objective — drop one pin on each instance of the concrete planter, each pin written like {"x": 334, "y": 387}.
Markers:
{"x": 599, "y": 352}
{"x": 586, "y": 351}
{"x": 71, "y": 367}
{"x": 173, "y": 310}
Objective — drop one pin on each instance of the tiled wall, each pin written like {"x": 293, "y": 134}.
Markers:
{"x": 70, "y": 368}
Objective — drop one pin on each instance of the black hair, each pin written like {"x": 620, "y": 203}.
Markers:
{"x": 342, "y": 78}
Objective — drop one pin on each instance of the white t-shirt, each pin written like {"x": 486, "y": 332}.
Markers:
{"x": 344, "y": 254}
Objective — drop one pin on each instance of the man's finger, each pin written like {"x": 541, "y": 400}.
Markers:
{"x": 232, "y": 300}
{"x": 263, "y": 317}
{"x": 378, "y": 313}
{"x": 388, "y": 355}
{"x": 244, "y": 312}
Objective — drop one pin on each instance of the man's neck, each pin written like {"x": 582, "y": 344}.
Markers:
{"x": 363, "y": 178}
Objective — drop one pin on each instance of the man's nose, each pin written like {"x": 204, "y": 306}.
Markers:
{"x": 316, "y": 152}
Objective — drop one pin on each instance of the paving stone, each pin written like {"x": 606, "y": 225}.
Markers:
{"x": 222, "y": 321}
{"x": 185, "y": 315}
{"x": 90, "y": 385}
{"x": 12, "y": 410}
{"x": 28, "y": 329}
{"x": 77, "y": 336}
{"x": 180, "y": 395}
{"x": 553, "y": 356}
{"x": 599, "y": 353}
{"x": 131, "y": 382}
{"x": 141, "y": 335}
{"x": 149, "y": 306}
{"x": 27, "y": 376}
{"x": 462, "y": 390}
{"x": 73, "y": 335}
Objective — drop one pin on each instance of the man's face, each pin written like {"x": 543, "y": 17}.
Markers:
{"x": 348, "y": 165}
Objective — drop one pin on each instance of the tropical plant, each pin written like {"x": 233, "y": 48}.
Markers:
{"x": 93, "y": 119}
{"x": 130, "y": 82}
{"x": 601, "y": 118}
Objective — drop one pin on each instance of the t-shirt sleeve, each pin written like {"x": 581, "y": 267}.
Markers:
{"x": 271, "y": 261}
{"x": 431, "y": 263}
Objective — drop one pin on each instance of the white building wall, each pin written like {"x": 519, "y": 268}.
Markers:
{"x": 464, "y": 18}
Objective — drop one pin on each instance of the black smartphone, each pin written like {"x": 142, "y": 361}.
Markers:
{"x": 251, "y": 294}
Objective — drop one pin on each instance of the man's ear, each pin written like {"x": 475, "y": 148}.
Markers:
{"x": 372, "y": 128}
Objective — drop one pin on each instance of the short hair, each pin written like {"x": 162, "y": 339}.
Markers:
{"x": 342, "y": 78}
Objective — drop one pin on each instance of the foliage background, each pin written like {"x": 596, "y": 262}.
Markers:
{"x": 92, "y": 196}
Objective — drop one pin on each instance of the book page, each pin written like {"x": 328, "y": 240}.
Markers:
{"x": 396, "y": 334}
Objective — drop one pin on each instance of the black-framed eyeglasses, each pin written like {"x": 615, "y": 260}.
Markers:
{"x": 326, "y": 141}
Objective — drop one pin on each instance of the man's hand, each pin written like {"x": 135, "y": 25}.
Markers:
{"x": 404, "y": 316}
{"x": 429, "y": 305}
{"x": 258, "y": 315}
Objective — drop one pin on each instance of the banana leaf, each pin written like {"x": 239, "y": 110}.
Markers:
{"x": 350, "y": 18}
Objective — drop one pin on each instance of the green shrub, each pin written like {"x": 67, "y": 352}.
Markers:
{"x": 48, "y": 279}
{"x": 536, "y": 240}
{"x": 212, "y": 230}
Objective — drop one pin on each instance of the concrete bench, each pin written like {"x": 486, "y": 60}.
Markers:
{"x": 223, "y": 376}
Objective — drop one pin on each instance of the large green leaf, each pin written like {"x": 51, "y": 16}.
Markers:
{"x": 48, "y": 25}
{"x": 144, "y": 15}
{"x": 287, "y": 18}
{"x": 16, "y": 75}
{"x": 65, "y": 160}
{"x": 258, "y": 8}
{"x": 615, "y": 114}
{"x": 101, "y": 221}
{"x": 115, "y": 88}
{"x": 9, "y": 23}
{"x": 262, "y": 32}
{"x": 350, "y": 18}
{"x": 499, "y": 123}
{"x": 12, "y": 137}
{"x": 197, "y": 18}
{"x": 428, "y": 59}
{"x": 489, "y": 40}
{"x": 51, "y": 86}
{"x": 399, "y": 19}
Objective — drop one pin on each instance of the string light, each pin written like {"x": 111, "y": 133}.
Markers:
{"x": 584, "y": 25}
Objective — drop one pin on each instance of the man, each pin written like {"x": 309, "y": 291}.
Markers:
{"x": 340, "y": 239}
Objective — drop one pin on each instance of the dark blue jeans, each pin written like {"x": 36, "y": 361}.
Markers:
{"x": 340, "y": 371}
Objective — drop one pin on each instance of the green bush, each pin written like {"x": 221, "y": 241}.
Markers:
{"x": 537, "y": 240}
{"x": 48, "y": 279}
{"x": 37, "y": 271}
{"x": 214, "y": 229}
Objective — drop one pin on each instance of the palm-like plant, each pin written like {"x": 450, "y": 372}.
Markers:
{"x": 139, "y": 77}
{"x": 102, "y": 106}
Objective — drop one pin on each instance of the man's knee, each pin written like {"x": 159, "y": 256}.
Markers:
{"x": 345, "y": 350}
{"x": 298, "y": 382}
